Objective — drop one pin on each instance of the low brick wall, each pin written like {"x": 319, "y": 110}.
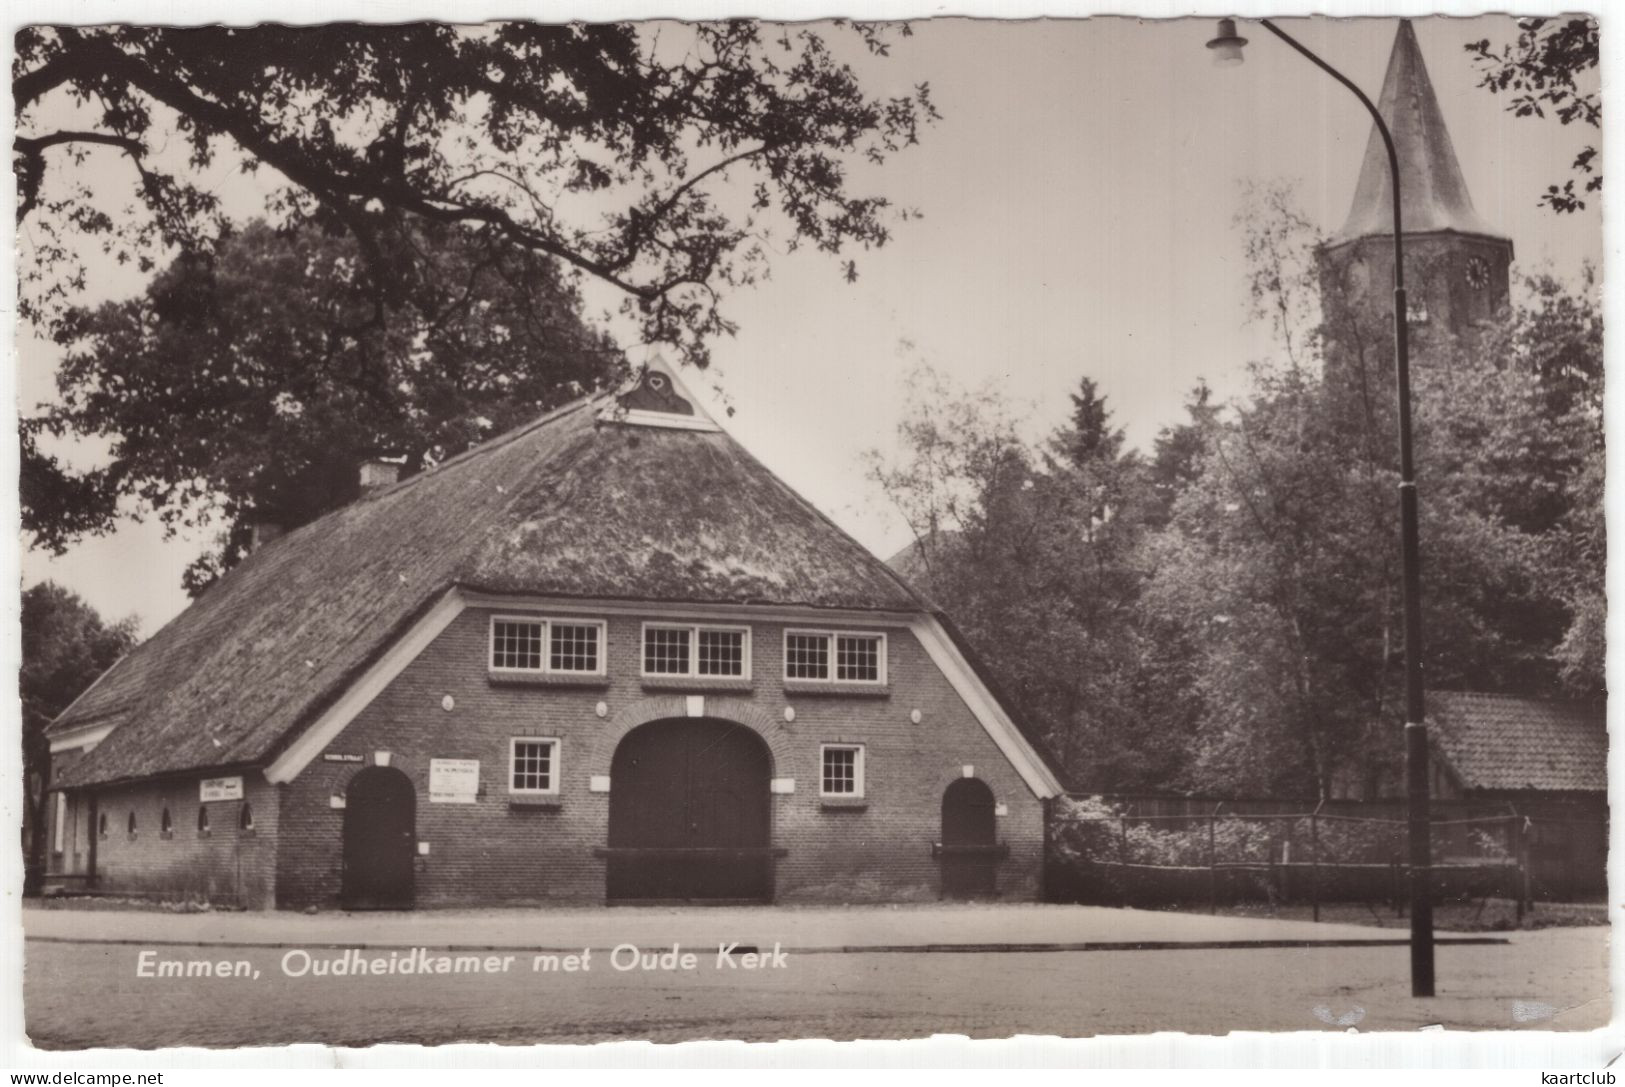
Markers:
{"x": 224, "y": 865}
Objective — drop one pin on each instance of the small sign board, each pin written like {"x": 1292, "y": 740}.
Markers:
{"x": 454, "y": 781}
{"x": 211, "y": 790}
{"x": 342, "y": 756}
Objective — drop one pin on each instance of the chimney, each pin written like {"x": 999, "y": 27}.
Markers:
{"x": 377, "y": 474}
{"x": 263, "y": 532}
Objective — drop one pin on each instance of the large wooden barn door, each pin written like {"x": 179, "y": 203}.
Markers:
{"x": 689, "y": 814}
{"x": 969, "y": 848}
{"x": 380, "y": 840}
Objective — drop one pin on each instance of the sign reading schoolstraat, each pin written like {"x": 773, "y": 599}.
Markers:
{"x": 454, "y": 781}
{"x": 213, "y": 789}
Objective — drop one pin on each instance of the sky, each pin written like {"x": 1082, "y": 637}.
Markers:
{"x": 1078, "y": 198}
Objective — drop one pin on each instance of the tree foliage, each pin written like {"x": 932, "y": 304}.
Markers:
{"x": 593, "y": 144}
{"x": 66, "y": 645}
{"x": 1225, "y": 616}
{"x": 1551, "y": 66}
{"x": 264, "y": 347}
{"x": 1032, "y": 546}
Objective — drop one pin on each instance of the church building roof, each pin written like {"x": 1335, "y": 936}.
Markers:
{"x": 1433, "y": 192}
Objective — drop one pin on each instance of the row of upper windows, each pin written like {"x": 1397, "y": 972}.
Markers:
{"x": 674, "y": 650}
{"x": 533, "y": 768}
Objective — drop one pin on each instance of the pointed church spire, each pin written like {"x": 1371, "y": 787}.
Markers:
{"x": 1434, "y": 192}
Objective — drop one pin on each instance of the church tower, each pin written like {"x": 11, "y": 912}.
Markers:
{"x": 1456, "y": 266}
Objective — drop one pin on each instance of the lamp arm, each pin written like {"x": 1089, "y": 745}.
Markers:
{"x": 1382, "y": 128}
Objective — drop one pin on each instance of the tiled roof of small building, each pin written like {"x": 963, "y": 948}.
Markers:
{"x": 569, "y": 505}
{"x": 1507, "y": 742}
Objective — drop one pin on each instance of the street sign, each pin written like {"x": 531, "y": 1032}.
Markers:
{"x": 214, "y": 789}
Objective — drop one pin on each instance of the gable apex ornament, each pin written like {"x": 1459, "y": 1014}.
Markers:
{"x": 656, "y": 397}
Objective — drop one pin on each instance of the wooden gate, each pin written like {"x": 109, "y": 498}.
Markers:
{"x": 969, "y": 849}
{"x": 689, "y": 814}
{"x": 380, "y": 840}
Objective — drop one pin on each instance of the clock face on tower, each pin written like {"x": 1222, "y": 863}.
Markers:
{"x": 1478, "y": 274}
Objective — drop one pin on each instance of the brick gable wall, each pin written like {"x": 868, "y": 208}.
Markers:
{"x": 489, "y": 852}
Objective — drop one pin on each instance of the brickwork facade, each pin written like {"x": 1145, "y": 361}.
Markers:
{"x": 877, "y": 847}
{"x": 1453, "y": 282}
{"x": 123, "y": 828}
{"x": 496, "y": 851}
{"x": 448, "y": 704}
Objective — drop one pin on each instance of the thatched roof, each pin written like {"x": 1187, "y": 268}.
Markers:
{"x": 1506, "y": 742}
{"x": 570, "y": 505}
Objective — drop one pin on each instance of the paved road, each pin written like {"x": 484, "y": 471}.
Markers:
{"x": 81, "y": 994}
{"x": 799, "y": 927}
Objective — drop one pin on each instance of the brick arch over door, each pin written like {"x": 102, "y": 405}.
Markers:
{"x": 772, "y": 730}
{"x": 955, "y": 773}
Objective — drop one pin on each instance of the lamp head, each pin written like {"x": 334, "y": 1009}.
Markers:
{"x": 1227, "y": 46}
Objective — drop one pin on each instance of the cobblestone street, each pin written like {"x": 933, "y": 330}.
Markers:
{"x": 82, "y": 994}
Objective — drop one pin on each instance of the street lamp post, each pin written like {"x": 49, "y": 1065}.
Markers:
{"x": 1227, "y": 51}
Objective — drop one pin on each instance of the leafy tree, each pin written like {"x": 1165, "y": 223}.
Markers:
{"x": 1551, "y": 66}
{"x": 1279, "y": 563}
{"x": 265, "y": 349}
{"x": 1177, "y": 453}
{"x": 592, "y": 144}
{"x": 66, "y": 645}
{"x": 1032, "y": 549}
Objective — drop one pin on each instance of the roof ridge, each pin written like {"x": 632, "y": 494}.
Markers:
{"x": 490, "y": 445}
{"x": 797, "y": 496}
{"x": 1576, "y": 700}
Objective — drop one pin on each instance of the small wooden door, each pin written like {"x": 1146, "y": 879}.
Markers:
{"x": 689, "y": 813}
{"x": 970, "y": 850}
{"x": 380, "y": 840}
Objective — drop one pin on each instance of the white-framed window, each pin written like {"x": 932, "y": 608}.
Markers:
{"x": 531, "y": 644}
{"x": 533, "y": 766}
{"x": 696, "y": 651}
{"x": 834, "y": 656}
{"x": 840, "y": 770}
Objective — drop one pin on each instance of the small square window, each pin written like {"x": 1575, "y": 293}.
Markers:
{"x": 857, "y": 658}
{"x": 806, "y": 656}
{"x": 516, "y": 644}
{"x": 842, "y": 772}
{"x": 573, "y": 647}
{"x": 665, "y": 651}
{"x": 534, "y": 766}
{"x": 722, "y": 652}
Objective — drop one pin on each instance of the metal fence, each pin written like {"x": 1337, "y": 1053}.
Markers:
{"x": 1224, "y": 853}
